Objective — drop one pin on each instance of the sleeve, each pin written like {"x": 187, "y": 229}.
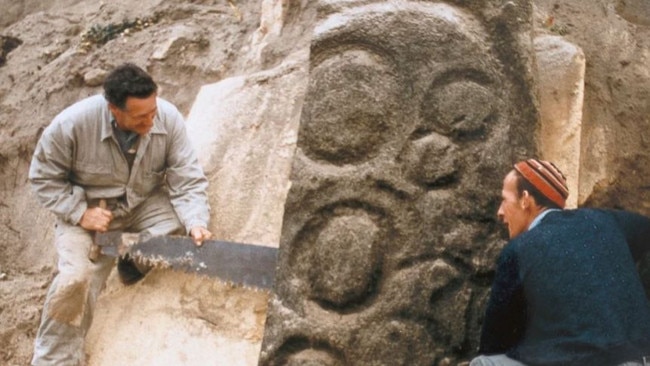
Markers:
{"x": 187, "y": 183}
{"x": 505, "y": 315}
{"x": 636, "y": 229}
{"x": 49, "y": 172}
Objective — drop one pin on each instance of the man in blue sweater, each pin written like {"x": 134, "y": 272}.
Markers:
{"x": 566, "y": 289}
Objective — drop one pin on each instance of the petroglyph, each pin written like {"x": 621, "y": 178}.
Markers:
{"x": 411, "y": 110}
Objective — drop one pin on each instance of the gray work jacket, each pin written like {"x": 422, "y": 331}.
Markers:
{"x": 78, "y": 159}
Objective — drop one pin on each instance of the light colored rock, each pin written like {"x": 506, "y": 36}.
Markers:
{"x": 272, "y": 20}
{"x": 179, "y": 37}
{"x": 635, "y": 11}
{"x": 200, "y": 322}
{"x": 613, "y": 173}
{"x": 561, "y": 72}
{"x": 95, "y": 77}
{"x": 244, "y": 130}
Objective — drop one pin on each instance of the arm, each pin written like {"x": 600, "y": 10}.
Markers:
{"x": 636, "y": 229}
{"x": 48, "y": 174}
{"x": 505, "y": 317}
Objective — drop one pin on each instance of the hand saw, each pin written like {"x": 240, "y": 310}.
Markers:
{"x": 241, "y": 264}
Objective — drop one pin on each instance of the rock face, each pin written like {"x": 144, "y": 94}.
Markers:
{"x": 614, "y": 158}
{"x": 560, "y": 77}
{"x": 635, "y": 11}
{"x": 244, "y": 129}
{"x": 172, "y": 318}
{"x": 414, "y": 112}
{"x": 380, "y": 201}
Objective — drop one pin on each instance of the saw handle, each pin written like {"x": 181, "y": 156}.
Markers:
{"x": 95, "y": 249}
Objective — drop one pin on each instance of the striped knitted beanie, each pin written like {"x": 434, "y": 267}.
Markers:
{"x": 546, "y": 177}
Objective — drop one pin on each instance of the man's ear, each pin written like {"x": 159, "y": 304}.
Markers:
{"x": 116, "y": 112}
{"x": 526, "y": 199}
{"x": 113, "y": 108}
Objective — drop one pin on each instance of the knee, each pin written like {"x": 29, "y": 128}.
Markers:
{"x": 67, "y": 301}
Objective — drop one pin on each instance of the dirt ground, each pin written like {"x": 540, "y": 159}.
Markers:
{"x": 45, "y": 66}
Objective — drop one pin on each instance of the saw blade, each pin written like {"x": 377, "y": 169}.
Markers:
{"x": 243, "y": 264}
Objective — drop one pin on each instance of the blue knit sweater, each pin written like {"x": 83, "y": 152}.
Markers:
{"x": 567, "y": 292}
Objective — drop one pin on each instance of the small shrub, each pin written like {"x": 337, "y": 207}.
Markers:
{"x": 98, "y": 35}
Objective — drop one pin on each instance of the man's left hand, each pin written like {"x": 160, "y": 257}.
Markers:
{"x": 199, "y": 234}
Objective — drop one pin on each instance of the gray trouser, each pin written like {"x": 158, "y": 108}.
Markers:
{"x": 503, "y": 360}
{"x": 70, "y": 302}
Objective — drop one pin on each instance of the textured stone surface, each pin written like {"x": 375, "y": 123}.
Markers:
{"x": 414, "y": 112}
{"x": 635, "y": 11}
{"x": 561, "y": 73}
{"x": 244, "y": 130}
{"x": 45, "y": 74}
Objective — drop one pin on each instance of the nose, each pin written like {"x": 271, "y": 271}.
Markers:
{"x": 431, "y": 160}
{"x": 147, "y": 121}
{"x": 500, "y": 213}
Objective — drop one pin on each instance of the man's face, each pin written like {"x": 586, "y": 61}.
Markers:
{"x": 512, "y": 211}
{"x": 138, "y": 114}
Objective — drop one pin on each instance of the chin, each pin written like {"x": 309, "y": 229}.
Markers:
{"x": 514, "y": 234}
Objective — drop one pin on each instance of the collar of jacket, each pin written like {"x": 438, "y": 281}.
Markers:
{"x": 541, "y": 216}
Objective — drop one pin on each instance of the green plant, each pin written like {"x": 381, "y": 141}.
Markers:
{"x": 98, "y": 35}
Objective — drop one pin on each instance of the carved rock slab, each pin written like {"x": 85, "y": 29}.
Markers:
{"x": 413, "y": 114}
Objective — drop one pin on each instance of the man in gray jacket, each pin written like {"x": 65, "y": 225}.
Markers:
{"x": 129, "y": 148}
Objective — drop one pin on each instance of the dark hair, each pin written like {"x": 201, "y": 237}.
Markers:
{"x": 128, "y": 80}
{"x": 540, "y": 199}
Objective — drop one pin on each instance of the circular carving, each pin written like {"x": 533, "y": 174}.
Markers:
{"x": 394, "y": 342}
{"x": 349, "y": 108}
{"x": 302, "y": 351}
{"x": 462, "y": 109}
{"x": 313, "y": 357}
{"x": 343, "y": 260}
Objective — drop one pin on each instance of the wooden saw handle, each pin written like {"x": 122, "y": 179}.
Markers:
{"x": 95, "y": 250}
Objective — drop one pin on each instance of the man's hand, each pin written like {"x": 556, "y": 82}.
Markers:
{"x": 96, "y": 219}
{"x": 199, "y": 234}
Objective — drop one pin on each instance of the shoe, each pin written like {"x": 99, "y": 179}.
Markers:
{"x": 128, "y": 270}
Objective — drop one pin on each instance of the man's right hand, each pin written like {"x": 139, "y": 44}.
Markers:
{"x": 96, "y": 219}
